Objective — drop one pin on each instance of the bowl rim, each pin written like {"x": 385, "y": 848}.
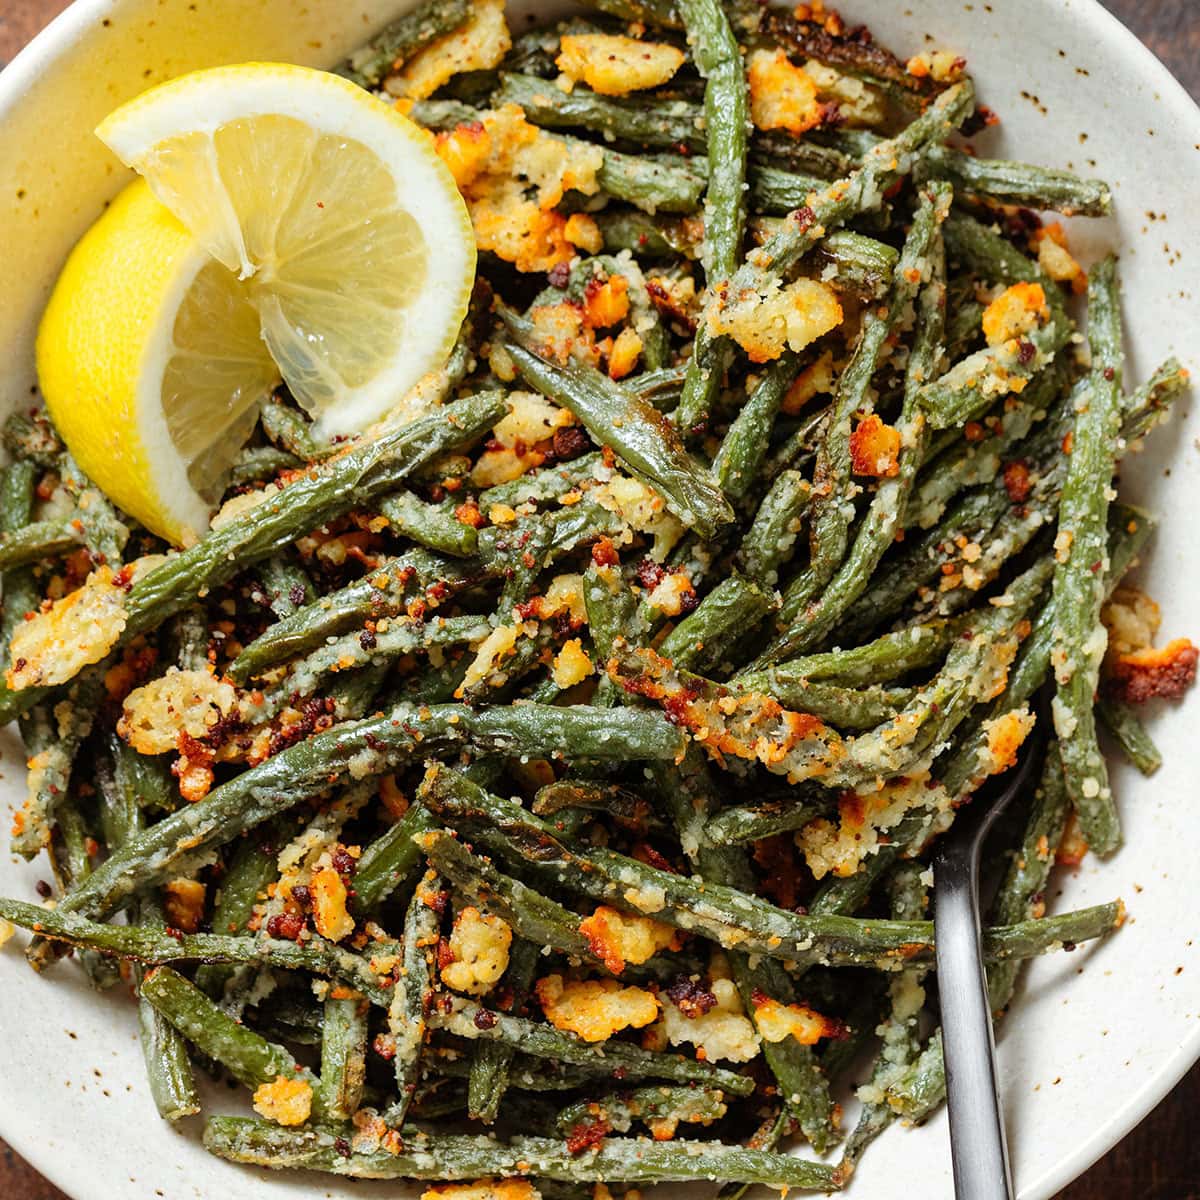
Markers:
{"x": 74, "y": 22}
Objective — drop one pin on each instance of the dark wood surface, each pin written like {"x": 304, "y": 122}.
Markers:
{"x": 1160, "y": 1160}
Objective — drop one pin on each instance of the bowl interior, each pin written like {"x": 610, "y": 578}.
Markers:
{"x": 1096, "y": 1037}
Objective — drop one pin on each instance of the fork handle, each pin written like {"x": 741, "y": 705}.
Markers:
{"x": 978, "y": 1146}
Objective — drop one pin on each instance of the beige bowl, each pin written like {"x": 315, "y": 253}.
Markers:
{"x": 1097, "y": 1037}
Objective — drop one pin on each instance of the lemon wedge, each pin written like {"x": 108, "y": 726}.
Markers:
{"x": 152, "y": 365}
{"x": 352, "y": 238}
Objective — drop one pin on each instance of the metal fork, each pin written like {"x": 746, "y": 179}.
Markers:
{"x": 978, "y": 1146}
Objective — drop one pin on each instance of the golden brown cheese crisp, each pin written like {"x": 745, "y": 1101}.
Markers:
{"x": 594, "y": 1009}
{"x": 764, "y": 323}
{"x": 782, "y": 95}
{"x": 619, "y": 938}
{"x": 478, "y": 45}
{"x": 614, "y": 65}
{"x": 286, "y": 1101}
{"x": 479, "y": 943}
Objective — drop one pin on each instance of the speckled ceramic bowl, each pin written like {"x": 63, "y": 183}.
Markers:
{"x": 1096, "y": 1037}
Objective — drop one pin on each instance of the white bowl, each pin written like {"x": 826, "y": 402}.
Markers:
{"x": 1097, "y": 1037}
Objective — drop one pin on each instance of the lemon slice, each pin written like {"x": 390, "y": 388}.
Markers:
{"x": 152, "y": 365}
{"x": 353, "y": 240}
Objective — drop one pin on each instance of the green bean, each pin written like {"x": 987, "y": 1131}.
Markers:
{"x": 622, "y": 1060}
{"x": 922, "y": 1086}
{"x": 464, "y": 1156}
{"x": 705, "y": 638}
{"x": 771, "y": 538}
{"x": 664, "y": 126}
{"x": 401, "y": 39}
{"x": 1149, "y": 404}
{"x": 292, "y": 431}
{"x": 491, "y": 1062}
{"x": 389, "y": 861}
{"x": 967, "y": 464}
{"x": 53, "y": 762}
{"x": 726, "y": 115}
{"x": 690, "y": 795}
{"x": 100, "y": 529}
{"x": 185, "y": 639}
{"x": 1019, "y": 895}
{"x": 414, "y": 991}
{"x": 650, "y": 1105}
{"x": 261, "y": 464}
{"x": 432, "y": 525}
{"x": 521, "y": 551}
{"x": 39, "y": 541}
{"x": 861, "y": 57}
{"x": 743, "y": 449}
{"x": 1123, "y": 721}
{"x": 250, "y": 869}
{"x": 1020, "y": 183}
{"x": 249, "y": 1058}
{"x": 844, "y": 585}
{"x": 919, "y": 565}
{"x": 343, "y": 1056}
{"x": 383, "y": 593}
{"x": 778, "y": 192}
{"x": 168, "y": 1069}
{"x": 156, "y": 945}
{"x": 648, "y": 236}
{"x": 728, "y": 916}
{"x": 323, "y": 493}
{"x": 987, "y": 254}
{"x": 30, "y": 438}
{"x": 369, "y": 747}
{"x": 832, "y": 475}
{"x": 828, "y": 209}
{"x": 885, "y": 659}
{"x": 750, "y": 822}
{"x": 847, "y": 708}
{"x": 901, "y": 1043}
{"x": 861, "y": 263}
{"x": 646, "y": 443}
{"x": 285, "y": 586}
{"x": 533, "y": 917}
{"x": 670, "y": 185}
{"x": 1128, "y": 530}
{"x": 364, "y": 649}
{"x": 1079, "y": 577}
{"x": 973, "y": 384}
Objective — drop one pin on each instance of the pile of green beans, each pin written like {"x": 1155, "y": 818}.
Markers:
{"x": 516, "y": 739}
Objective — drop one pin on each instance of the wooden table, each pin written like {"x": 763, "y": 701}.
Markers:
{"x": 1160, "y": 1160}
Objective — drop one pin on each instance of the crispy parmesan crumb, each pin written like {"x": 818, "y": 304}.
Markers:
{"x": 329, "y": 896}
{"x": 1162, "y": 671}
{"x": 875, "y": 448}
{"x": 619, "y": 938}
{"x": 594, "y": 1009}
{"x": 721, "y": 1032}
{"x": 53, "y": 646}
{"x": 286, "y": 1101}
{"x": 479, "y": 943}
{"x": 1016, "y": 311}
{"x": 776, "y": 1021}
{"x": 478, "y": 45}
{"x": 764, "y": 323}
{"x": 179, "y": 702}
{"x": 782, "y": 95}
{"x": 512, "y": 176}
{"x": 183, "y": 903}
{"x": 572, "y": 664}
{"x": 614, "y": 65}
